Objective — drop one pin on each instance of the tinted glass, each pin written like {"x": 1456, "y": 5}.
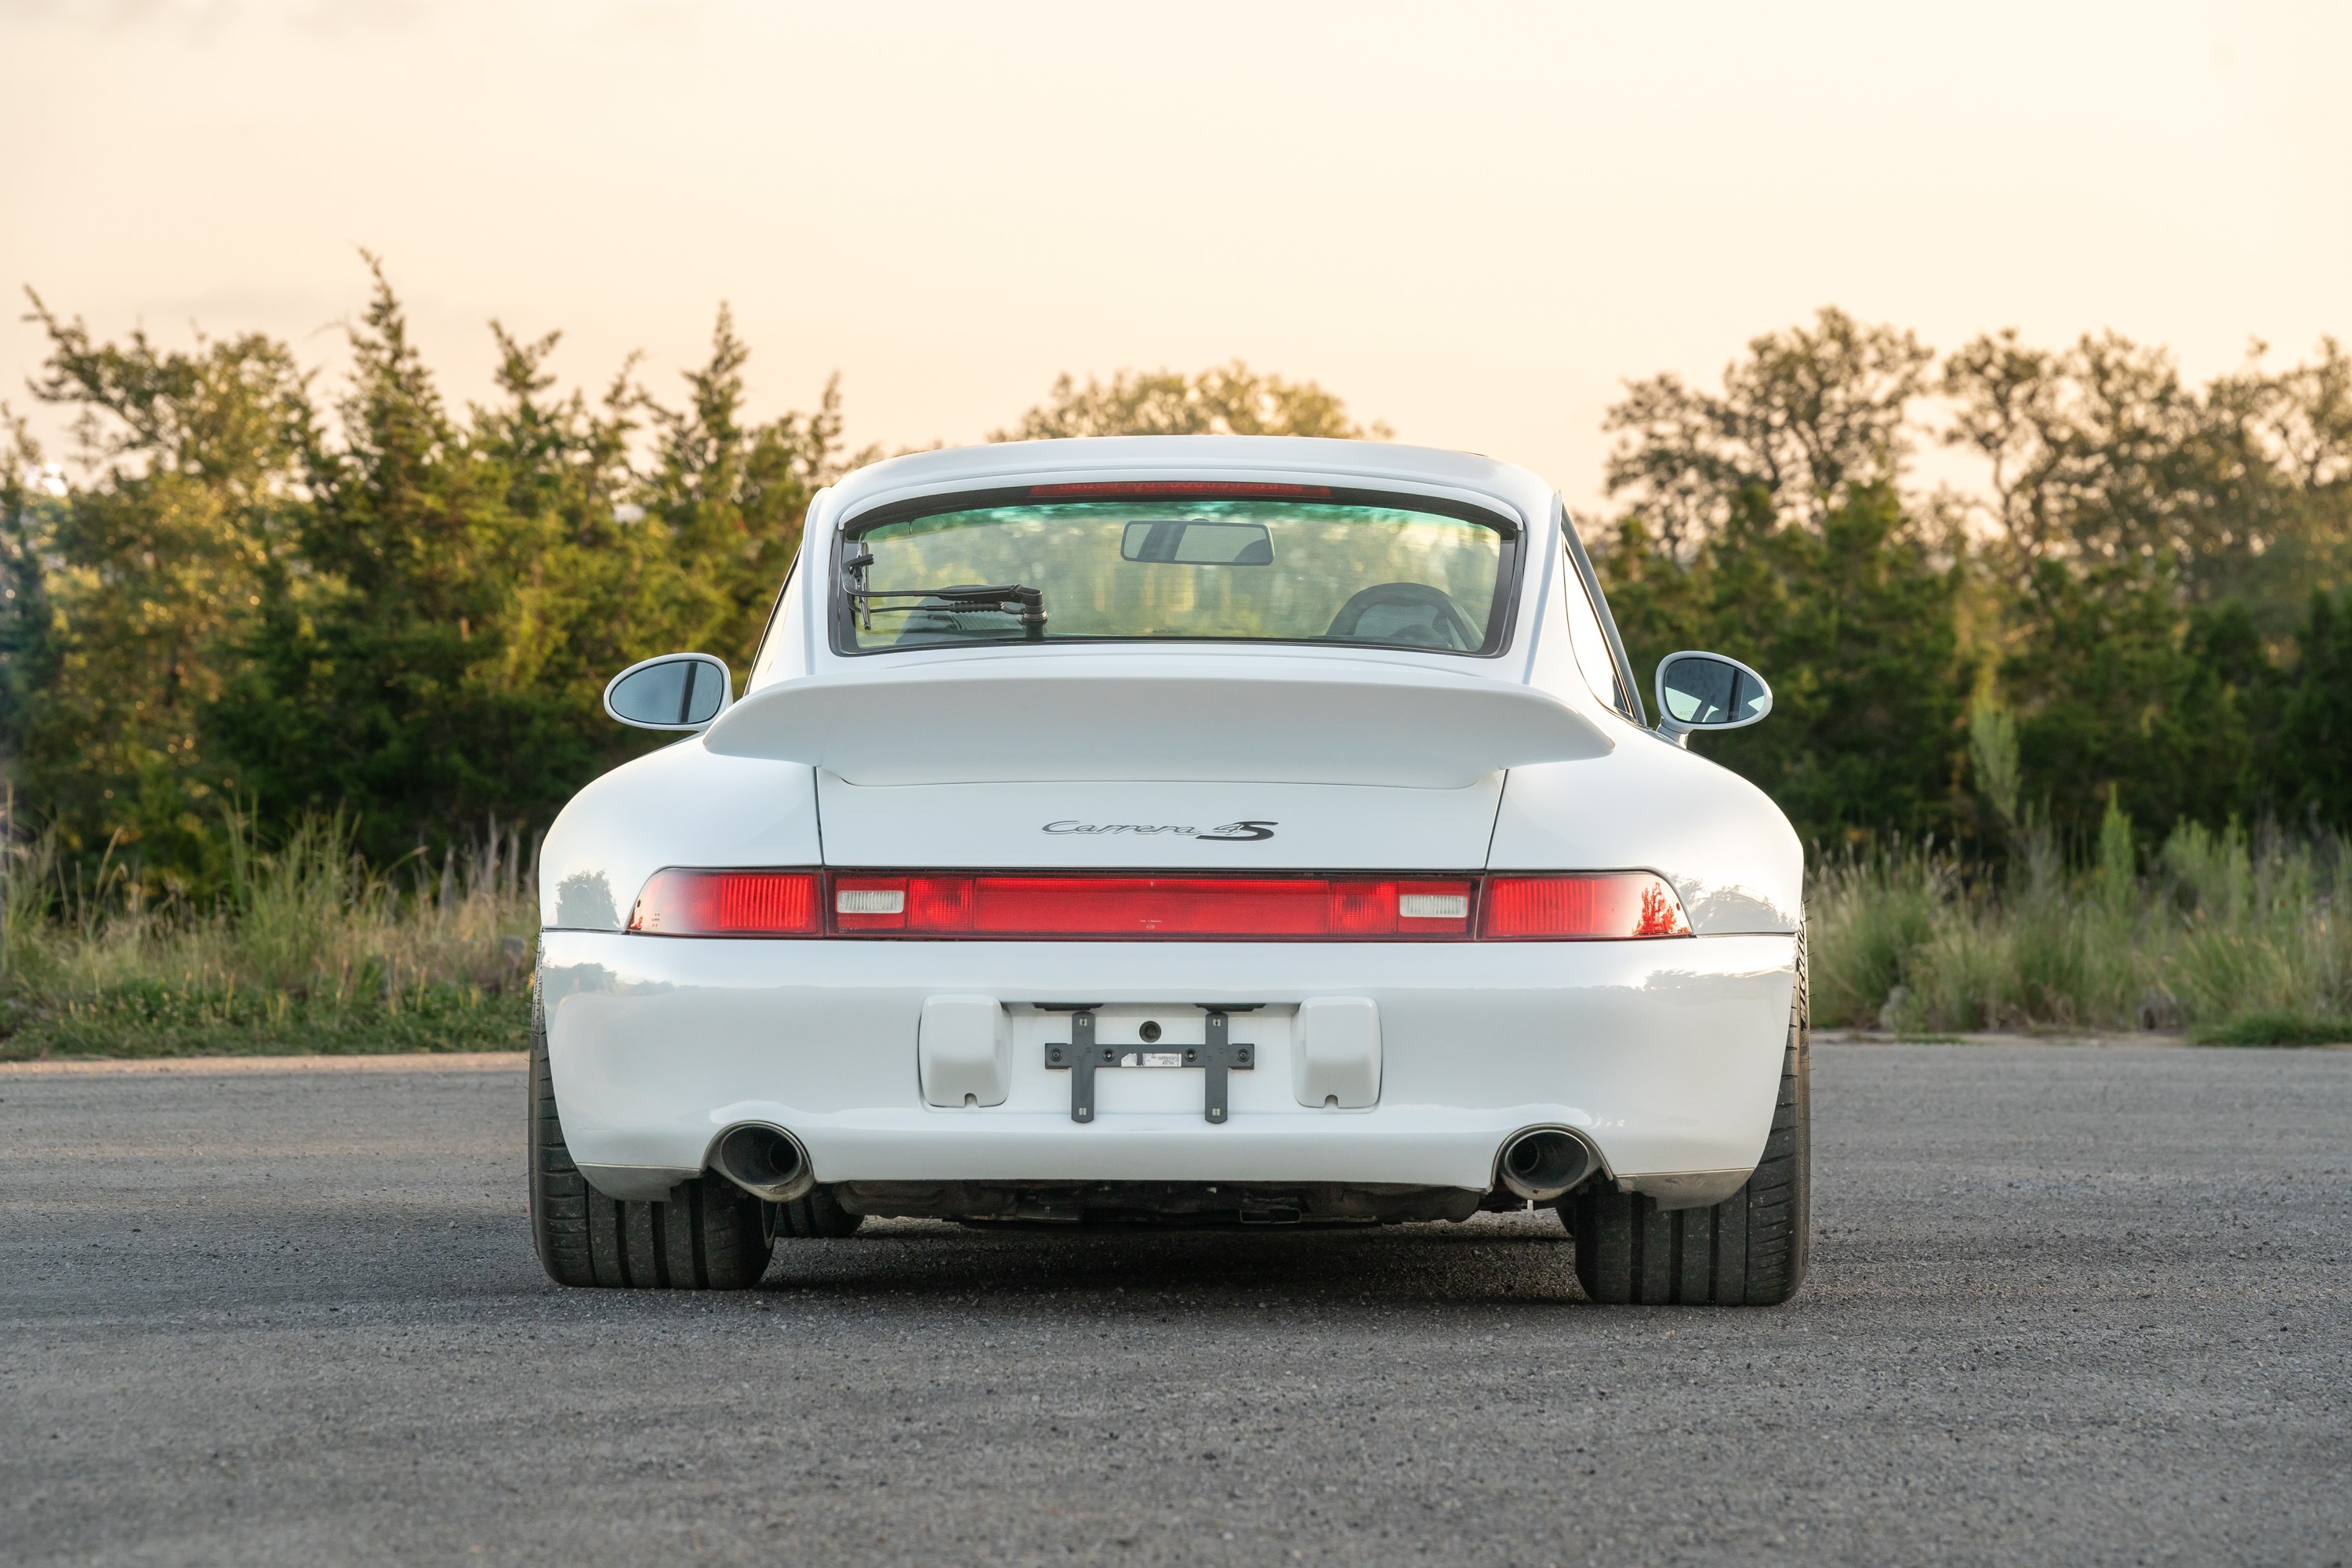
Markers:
{"x": 702, "y": 697}
{"x": 1710, "y": 691}
{"x": 1592, "y": 644}
{"x": 1185, "y": 542}
{"x": 1701, "y": 690}
{"x": 679, "y": 691}
{"x": 1173, "y": 570}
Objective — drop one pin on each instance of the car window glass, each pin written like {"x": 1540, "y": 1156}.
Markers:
{"x": 1179, "y": 569}
{"x": 1591, "y": 643}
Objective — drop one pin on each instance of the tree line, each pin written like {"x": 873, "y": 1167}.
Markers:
{"x": 261, "y": 600}
{"x": 2141, "y": 609}
{"x": 383, "y": 607}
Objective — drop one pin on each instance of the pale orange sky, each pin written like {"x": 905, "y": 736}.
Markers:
{"x": 1470, "y": 221}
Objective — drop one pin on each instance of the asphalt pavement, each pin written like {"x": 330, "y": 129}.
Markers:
{"x": 2069, "y": 1305}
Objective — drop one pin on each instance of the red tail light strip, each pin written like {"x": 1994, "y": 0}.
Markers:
{"x": 1142, "y": 908}
{"x": 677, "y": 902}
{"x": 1588, "y": 905}
{"x": 1620, "y": 904}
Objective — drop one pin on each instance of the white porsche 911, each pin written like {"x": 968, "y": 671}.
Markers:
{"x": 1179, "y": 830}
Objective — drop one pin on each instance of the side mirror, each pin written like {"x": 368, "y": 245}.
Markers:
{"x": 676, "y": 691}
{"x": 1707, "y": 691}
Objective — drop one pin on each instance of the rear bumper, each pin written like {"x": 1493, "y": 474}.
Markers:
{"x": 1666, "y": 1055}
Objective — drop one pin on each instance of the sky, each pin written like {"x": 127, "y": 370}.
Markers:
{"x": 1473, "y": 223}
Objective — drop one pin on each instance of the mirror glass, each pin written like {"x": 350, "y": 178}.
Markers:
{"x": 676, "y": 691}
{"x": 1183, "y": 541}
{"x": 1701, "y": 690}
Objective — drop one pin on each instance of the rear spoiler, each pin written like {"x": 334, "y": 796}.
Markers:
{"x": 1170, "y": 716}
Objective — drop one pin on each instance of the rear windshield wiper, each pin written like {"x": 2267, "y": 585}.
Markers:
{"x": 1027, "y": 602}
{"x": 1018, "y": 597}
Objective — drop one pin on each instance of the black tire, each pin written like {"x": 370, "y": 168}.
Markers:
{"x": 1750, "y": 1249}
{"x": 711, "y": 1234}
{"x": 814, "y": 1214}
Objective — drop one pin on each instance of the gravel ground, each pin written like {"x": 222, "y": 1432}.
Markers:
{"x": 2068, "y": 1305}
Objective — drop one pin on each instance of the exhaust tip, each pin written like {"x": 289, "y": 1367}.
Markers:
{"x": 764, "y": 1161}
{"x": 1544, "y": 1164}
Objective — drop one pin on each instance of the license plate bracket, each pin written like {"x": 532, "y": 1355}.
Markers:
{"x": 1218, "y": 1055}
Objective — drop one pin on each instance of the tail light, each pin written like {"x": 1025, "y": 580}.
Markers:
{"x": 1589, "y": 906}
{"x": 730, "y": 903}
{"x": 1584, "y": 907}
{"x": 1147, "y": 907}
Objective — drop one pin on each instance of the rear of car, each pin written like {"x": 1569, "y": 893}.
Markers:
{"x": 1178, "y": 831}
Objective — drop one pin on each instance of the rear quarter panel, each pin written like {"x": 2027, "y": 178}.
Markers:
{"x": 678, "y": 806}
{"x": 1720, "y": 840}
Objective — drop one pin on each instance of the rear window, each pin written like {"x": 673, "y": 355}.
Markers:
{"x": 1178, "y": 563}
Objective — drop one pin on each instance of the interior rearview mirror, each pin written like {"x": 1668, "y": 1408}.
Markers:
{"x": 1189, "y": 541}
{"x": 1707, "y": 691}
{"x": 675, "y": 692}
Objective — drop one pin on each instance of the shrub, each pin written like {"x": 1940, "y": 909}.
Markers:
{"x": 2231, "y": 935}
{"x": 308, "y": 949}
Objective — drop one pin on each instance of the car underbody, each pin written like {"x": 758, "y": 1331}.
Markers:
{"x": 1177, "y": 1203}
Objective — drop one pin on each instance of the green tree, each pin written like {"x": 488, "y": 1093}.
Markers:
{"x": 2150, "y": 545}
{"x": 2100, "y": 455}
{"x": 1854, "y": 624}
{"x": 30, "y": 514}
{"x": 463, "y": 590}
{"x": 150, "y": 573}
{"x": 1808, "y": 414}
{"x": 2314, "y": 746}
{"x": 1765, "y": 522}
{"x": 372, "y": 676}
{"x": 729, "y": 498}
{"x": 1230, "y": 400}
{"x": 409, "y": 612}
{"x": 2121, "y": 695}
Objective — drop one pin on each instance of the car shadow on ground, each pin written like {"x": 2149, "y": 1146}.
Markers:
{"x": 1523, "y": 1259}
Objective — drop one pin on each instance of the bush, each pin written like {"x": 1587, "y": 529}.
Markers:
{"x": 2233, "y": 937}
{"x": 308, "y": 951}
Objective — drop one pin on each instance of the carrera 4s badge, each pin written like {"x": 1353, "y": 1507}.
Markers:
{"x": 1232, "y": 832}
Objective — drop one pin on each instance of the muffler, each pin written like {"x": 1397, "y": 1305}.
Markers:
{"x": 765, "y": 1161}
{"x": 1545, "y": 1163}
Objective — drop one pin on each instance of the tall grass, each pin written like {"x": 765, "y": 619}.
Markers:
{"x": 2228, "y": 935}
{"x": 308, "y": 948}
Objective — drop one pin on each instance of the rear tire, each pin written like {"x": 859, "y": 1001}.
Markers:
{"x": 1749, "y": 1250}
{"x": 711, "y": 1234}
{"x": 814, "y": 1214}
